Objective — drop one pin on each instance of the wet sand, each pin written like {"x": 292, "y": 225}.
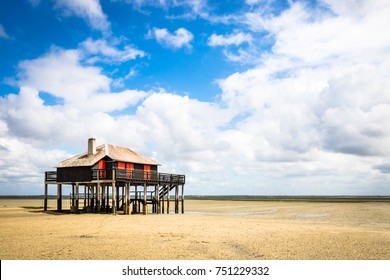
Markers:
{"x": 257, "y": 230}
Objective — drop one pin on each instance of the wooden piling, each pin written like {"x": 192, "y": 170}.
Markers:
{"x": 85, "y": 198}
{"x": 127, "y": 199}
{"x": 72, "y": 197}
{"x": 182, "y": 199}
{"x": 108, "y": 199}
{"x": 98, "y": 197}
{"x": 45, "y": 199}
{"x": 168, "y": 198}
{"x": 145, "y": 208}
{"x": 177, "y": 199}
{"x": 113, "y": 192}
{"x": 103, "y": 196}
{"x": 59, "y": 197}
{"x": 157, "y": 198}
{"x": 163, "y": 199}
{"x": 77, "y": 197}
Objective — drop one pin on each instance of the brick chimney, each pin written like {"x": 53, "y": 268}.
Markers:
{"x": 91, "y": 146}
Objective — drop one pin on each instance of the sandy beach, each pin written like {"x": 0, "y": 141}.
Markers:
{"x": 257, "y": 230}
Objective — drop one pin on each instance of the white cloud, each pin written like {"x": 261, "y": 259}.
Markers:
{"x": 3, "y": 34}
{"x": 35, "y": 3}
{"x": 190, "y": 9}
{"x": 180, "y": 38}
{"x": 318, "y": 37}
{"x": 60, "y": 73}
{"x": 257, "y": 2}
{"x": 102, "y": 50}
{"x": 89, "y": 10}
{"x": 318, "y": 101}
{"x": 232, "y": 39}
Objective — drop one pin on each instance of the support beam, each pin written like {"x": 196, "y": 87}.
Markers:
{"x": 113, "y": 202}
{"x": 59, "y": 197}
{"x": 113, "y": 192}
{"x": 98, "y": 197}
{"x": 108, "y": 199}
{"x": 182, "y": 199}
{"x": 92, "y": 188}
{"x": 77, "y": 198}
{"x": 72, "y": 198}
{"x": 117, "y": 198}
{"x": 128, "y": 211}
{"x": 123, "y": 194}
{"x": 45, "y": 199}
{"x": 177, "y": 199}
{"x": 136, "y": 199}
{"x": 104, "y": 196}
{"x": 168, "y": 191}
{"x": 88, "y": 196}
{"x": 157, "y": 198}
{"x": 145, "y": 209}
{"x": 85, "y": 198}
{"x": 163, "y": 199}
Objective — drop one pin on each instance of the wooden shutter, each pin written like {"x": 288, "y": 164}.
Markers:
{"x": 129, "y": 170}
{"x": 102, "y": 168}
{"x": 146, "y": 172}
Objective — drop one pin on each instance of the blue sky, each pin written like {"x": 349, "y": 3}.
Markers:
{"x": 256, "y": 97}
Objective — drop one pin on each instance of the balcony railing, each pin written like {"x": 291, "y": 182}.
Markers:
{"x": 138, "y": 176}
{"x": 51, "y": 176}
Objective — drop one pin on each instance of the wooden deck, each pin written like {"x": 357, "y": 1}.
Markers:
{"x": 122, "y": 175}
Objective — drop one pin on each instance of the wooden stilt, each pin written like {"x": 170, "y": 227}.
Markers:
{"x": 158, "y": 199}
{"x": 145, "y": 208}
{"x": 98, "y": 197}
{"x": 88, "y": 197}
{"x": 59, "y": 197}
{"x": 123, "y": 195}
{"x": 77, "y": 198}
{"x": 182, "y": 199}
{"x": 168, "y": 190}
{"x": 137, "y": 198}
{"x": 45, "y": 199}
{"x": 93, "y": 195}
{"x": 108, "y": 199}
{"x": 117, "y": 197}
{"x": 85, "y": 198}
{"x": 103, "y": 196}
{"x": 113, "y": 192}
{"x": 127, "y": 198}
{"x": 113, "y": 198}
{"x": 72, "y": 197}
{"x": 163, "y": 199}
{"x": 177, "y": 199}
{"x": 155, "y": 199}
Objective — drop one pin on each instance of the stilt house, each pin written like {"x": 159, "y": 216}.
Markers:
{"x": 118, "y": 174}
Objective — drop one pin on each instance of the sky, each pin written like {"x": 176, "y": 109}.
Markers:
{"x": 255, "y": 97}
